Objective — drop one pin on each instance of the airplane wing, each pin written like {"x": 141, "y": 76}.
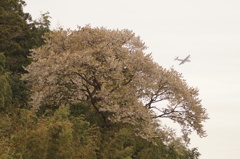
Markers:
{"x": 183, "y": 61}
{"x": 186, "y": 58}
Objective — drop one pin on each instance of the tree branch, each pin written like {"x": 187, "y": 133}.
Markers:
{"x": 93, "y": 102}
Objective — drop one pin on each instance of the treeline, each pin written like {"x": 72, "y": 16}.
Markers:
{"x": 88, "y": 93}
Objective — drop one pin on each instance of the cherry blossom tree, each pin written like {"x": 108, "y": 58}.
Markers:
{"x": 109, "y": 70}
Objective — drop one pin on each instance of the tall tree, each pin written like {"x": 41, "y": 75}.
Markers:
{"x": 13, "y": 32}
{"x": 109, "y": 70}
{"x": 19, "y": 34}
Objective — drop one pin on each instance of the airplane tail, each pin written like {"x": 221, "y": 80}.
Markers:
{"x": 176, "y": 59}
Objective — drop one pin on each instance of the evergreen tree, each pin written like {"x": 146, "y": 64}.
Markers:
{"x": 5, "y": 91}
{"x": 19, "y": 34}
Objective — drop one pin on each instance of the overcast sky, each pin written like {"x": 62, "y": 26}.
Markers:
{"x": 208, "y": 30}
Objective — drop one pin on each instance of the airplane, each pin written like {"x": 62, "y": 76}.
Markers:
{"x": 183, "y": 60}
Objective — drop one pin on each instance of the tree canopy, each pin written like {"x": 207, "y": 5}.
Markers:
{"x": 109, "y": 70}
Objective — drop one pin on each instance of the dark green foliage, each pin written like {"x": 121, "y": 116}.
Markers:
{"x": 89, "y": 113}
{"x": 13, "y": 32}
{"x": 118, "y": 142}
{"x": 5, "y": 86}
{"x": 19, "y": 34}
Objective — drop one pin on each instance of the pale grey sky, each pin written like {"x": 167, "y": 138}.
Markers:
{"x": 209, "y": 30}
